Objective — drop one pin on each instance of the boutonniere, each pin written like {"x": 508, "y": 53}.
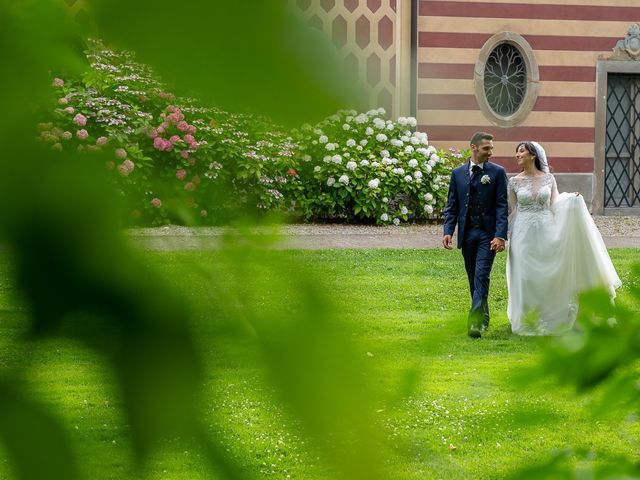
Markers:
{"x": 485, "y": 179}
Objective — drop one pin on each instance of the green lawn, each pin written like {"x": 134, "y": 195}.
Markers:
{"x": 449, "y": 407}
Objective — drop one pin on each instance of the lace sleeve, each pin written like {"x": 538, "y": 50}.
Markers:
{"x": 554, "y": 190}
{"x": 513, "y": 203}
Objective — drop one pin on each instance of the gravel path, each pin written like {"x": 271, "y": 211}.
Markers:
{"x": 617, "y": 231}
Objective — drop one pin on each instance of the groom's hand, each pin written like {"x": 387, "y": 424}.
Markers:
{"x": 447, "y": 243}
{"x": 497, "y": 244}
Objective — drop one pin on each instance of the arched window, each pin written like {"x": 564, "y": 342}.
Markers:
{"x": 506, "y": 79}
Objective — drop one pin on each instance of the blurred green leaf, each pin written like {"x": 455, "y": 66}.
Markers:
{"x": 39, "y": 447}
{"x": 237, "y": 55}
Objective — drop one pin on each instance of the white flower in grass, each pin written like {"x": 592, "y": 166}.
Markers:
{"x": 417, "y": 174}
{"x": 398, "y": 171}
{"x": 306, "y": 158}
{"x": 385, "y": 153}
{"x": 369, "y": 131}
{"x": 316, "y": 168}
{"x": 396, "y": 221}
{"x": 384, "y": 217}
{"x": 404, "y": 210}
{"x": 418, "y": 180}
{"x": 375, "y": 164}
{"x": 373, "y": 184}
{"x": 337, "y": 159}
{"x": 409, "y": 149}
{"x": 436, "y": 186}
{"x": 327, "y": 159}
{"x": 430, "y": 150}
{"x": 428, "y": 168}
{"x": 428, "y": 209}
{"x": 423, "y": 151}
{"x": 386, "y": 161}
{"x": 344, "y": 179}
{"x": 413, "y": 163}
{"x": 331, "y": 181}
{"x": 428, "y": 197}
{"x": 396, "y": 143}
{"x": 379, "y": 123}
{"x": 408, "y": 178}
{"x": 394, "y": 161}
{"x": 346, "y": 126}
{"x": 390, "y": 126}
{"x": 436, "y": 158}
{"x": 432, "y": 162}
{"x": 405, "y": 138}
{"x": 330, "y": 146}
{"x": 334, "y": 118}
{"x": 385, "y": 200}
{"x": 362, "y": 118}
{"x": 351, "y": 142}
{"x": 364, "y": 163}
{"x": 364, "y": 142}
{"x": 323, "y": 139}
{"x": 317, "y": 131}
{"x": 359, "y": 148}
{"x": 381, "y": 137}
{"x": 415, "y": 141}
{"x": 347, "y": 154}
{"x": 351, "y": 165}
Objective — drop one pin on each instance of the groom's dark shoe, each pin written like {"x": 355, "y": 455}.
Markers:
{"x": 474, "y": 332}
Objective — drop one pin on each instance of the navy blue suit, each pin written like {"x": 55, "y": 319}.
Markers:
{"x": 480, "y": 211}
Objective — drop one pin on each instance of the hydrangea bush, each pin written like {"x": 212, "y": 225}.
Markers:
{"x": 176, "y": 160}
{"x": 364, "y": 168}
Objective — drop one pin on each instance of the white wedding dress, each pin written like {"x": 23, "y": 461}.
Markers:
{"x": 555, "y": 253}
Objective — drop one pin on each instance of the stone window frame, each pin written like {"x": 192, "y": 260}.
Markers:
{"x": 533, "y": 79}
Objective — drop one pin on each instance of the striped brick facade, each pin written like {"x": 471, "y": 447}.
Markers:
{"x": 567, "y": 38}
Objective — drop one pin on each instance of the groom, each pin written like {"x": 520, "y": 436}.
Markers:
{"x": 478, "y": 205}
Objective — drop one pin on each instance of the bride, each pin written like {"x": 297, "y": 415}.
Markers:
{"x": 555, "y": 250}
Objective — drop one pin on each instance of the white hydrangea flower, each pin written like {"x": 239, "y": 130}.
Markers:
{"x": 327, "y": 159}
{"x": 346, "y": 126}
{"x": 436, "y": 158}
{"x": 423, "y": 151}
{"x": 431, "y": 150}
{"x": 334, "y": 118}
{"x": 323, "y": 139}
{"x": 428, "y": 209}
{"x": 385, "y": 153}
{"x": 415, "y": 141}
{"x": 359, "y": 148}
{"x": 386, "y": 161}
{"x": 396, "y": 142}
{"x": 381, "y": 111}
{"x": 375, "y": 164}
{"x": 405, "y": 138}
{"x": 417, "y": 174}
{"x": 413, "y": 163}
{"x": 337, "y": 159}
{"x": 394, "y": 161}
{"x": 428, "y": 168}
{"x": 391, "y": 126}
{"x": 412, "y": 121}
{"x": 385, "y": 200}
{"x": 351, "y": 165}
{"x": 399, "y": 170}
{"x": 330, "y": 146}
{"x": 306, "y": 158}
{"x": 428, "y": 197}
{"x": 384, "y": 217}
{"x": 362, "y": 118}
{"x": 436, "y": 186}
{"x": 316, "y": 168}
{"x": 351, "y": 142}
{"x": 396, "y": 221}
{"x": 408, "y": 178}
{"x": 409, "y": 149}
{"x": 344, "y": 179}
{"x": 369, "y": 131}
{"x": 418, "y": 180}
{"x": 432, "y": 162}
{"x": 317, "y": 131}
{"x": 364, "y": 142}
{"x": 404, "y": 210}
{"x": 381, "y": 137}
{"x": 373, "y": 184}
{"x": 403, "y": 121}
{"x": 364, "y": 163}
{"x": 347, "y": 155}
{"x": 330, "y": 181}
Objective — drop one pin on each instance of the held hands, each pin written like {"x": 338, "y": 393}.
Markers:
{"x": 447, "y": 242}
{"x": 497, "y": 244}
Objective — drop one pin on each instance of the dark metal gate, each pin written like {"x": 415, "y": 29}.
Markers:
{"x": 622, "y": 147}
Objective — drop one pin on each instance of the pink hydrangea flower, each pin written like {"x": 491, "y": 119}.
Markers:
{"x": 189, "y": 186}
{"x": 58, "y": 83}
{"x": 82, "y": 134}
{"x": 172, "y": 108}
{"x": 80, "y": 120}
{"x": 156, "y": 202}
{"x": 63, "y": 101}
{"x": 121, "y": 153}
{"x": 181, "y": 174}
{"x": 188, "y": 138}
{"x": 183, "y": 126}
{"x": 70, "y": 110}
{"x": 191, "y": 129}
{"x": 154, "y": 133}
{"x": 126, "y": 167}
{"x": 175, "y": 117}
{"x": 184, "y": 154}
{"x": 158, "y": 143}
{"x": 175, "y": 139}
{"x": 101, "y": 141}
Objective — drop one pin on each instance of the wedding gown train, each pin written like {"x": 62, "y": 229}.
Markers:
{"x": 555, "y": 253}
